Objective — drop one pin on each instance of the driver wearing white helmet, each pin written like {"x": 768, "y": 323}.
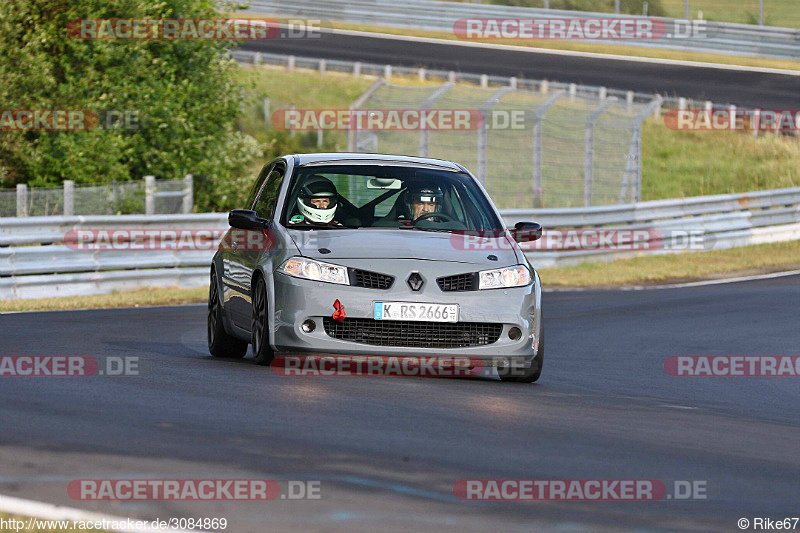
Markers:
{"x": 316, "y": 203}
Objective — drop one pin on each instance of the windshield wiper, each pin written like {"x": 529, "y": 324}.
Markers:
{"x": 319, "y": 226}
{"x": 440, "y": 230}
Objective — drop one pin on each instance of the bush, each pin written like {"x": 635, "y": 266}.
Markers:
{"x": 184, "y": 93}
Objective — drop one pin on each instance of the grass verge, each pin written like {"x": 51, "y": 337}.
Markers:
{"x": 136, "y": 298}
{"x": 678, "y": 268}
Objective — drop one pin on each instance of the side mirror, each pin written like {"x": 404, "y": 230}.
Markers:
{"x": 246, "y": 219}
{"x": 527, "y": 231}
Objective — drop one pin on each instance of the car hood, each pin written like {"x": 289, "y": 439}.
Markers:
{"x": 405, "y": 244}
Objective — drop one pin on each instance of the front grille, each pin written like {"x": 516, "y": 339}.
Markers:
{"x": 459, "y": 282}
{"x": 412, "y": 334}
{"x": 370, "y": 280}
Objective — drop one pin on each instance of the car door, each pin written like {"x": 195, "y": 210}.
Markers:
{"x": 251, "y": 245}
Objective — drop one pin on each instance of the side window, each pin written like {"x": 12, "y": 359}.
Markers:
{"x": 251, "y": 198}
{"x": 268, "y": 197}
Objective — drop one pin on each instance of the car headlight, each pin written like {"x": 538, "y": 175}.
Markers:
{"x": 515, "y": 276}
{"x": 301, "y": 267}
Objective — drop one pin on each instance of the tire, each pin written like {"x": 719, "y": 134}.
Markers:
{"x": 262, "y": 351}
{"x": 220, "y": 344}
{"x": 531, "y": 374}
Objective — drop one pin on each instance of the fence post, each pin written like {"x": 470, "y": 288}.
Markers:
{"x": 22, "y": 200}
{"x": 149, "y": 191}
{"x": 266, "y": 112}
{"x": 538, "y": 115}
{"x": 352, "y": 132}
{"x": 319, "y": 137}
{"x": 69, "y": 198}
{"x": 291, "y": 125}
{"x": 427, "y": 104}
{"x": 588, "y": 169}
{"x": 188, "y": 194}
{"x": 483, "y": 134}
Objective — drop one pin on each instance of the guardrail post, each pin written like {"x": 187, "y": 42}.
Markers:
{"x": 149, "y": 191}
{"x": 69, "y": 198}
{"x": 682, "y": 104}
{"x": 22, "y": 200}
{"x": 188, "y": 194}
{"x": 422, "y": 74}
{"x": 544, "y": 87}
{"x": 512, "y": 82}
{"x": 588, "y": 168}
{"x": 257, "y": 58}
{"x": 603, "y": 93}
{"x": 573, "y": 90}
{"x": 484, "y": 81}
{"x": 387, "y": 72}
{"x": 538, "y": 115}
{"x": 357, "y": 69}
{"x": 323, "y": 66}
{"x": 290, "y": 62}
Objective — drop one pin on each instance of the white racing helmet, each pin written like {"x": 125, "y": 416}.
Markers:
{"x": 317, "y": 187}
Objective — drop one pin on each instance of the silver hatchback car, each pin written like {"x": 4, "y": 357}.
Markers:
{"x": 380, "y": 255}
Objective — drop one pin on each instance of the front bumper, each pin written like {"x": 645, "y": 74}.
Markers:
{"x": 297, "y": 300}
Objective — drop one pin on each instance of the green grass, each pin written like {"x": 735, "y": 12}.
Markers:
{"x": 675, "y": 163}
{"x": 784, "y": 13}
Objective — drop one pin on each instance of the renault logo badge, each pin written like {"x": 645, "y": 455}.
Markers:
{"x": 415, "y": 281}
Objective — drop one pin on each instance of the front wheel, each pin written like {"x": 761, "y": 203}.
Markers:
{"x": 220, "y": 344}
{"x": 527, "y": 375}
{"x": 262, "y": 351}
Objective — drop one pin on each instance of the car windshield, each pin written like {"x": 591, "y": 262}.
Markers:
{"x": 385, "y": 196}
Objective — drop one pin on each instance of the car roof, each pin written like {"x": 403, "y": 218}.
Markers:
{"x": 358, "y": 158}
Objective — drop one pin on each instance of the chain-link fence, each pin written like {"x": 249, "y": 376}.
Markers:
{"x": 149, "y": 196}
{"x": 529, "y": 149}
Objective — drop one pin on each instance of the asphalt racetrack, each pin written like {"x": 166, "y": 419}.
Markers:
{"x": 744, "y": 88}
{"x": 387, "y": 451}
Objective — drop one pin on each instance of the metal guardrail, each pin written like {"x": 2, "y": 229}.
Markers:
{"x": 35, "y": 262}
{"x": 720, "y": 37}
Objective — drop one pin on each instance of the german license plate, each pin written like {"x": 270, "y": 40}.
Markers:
{"x": 416, "y": 312}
